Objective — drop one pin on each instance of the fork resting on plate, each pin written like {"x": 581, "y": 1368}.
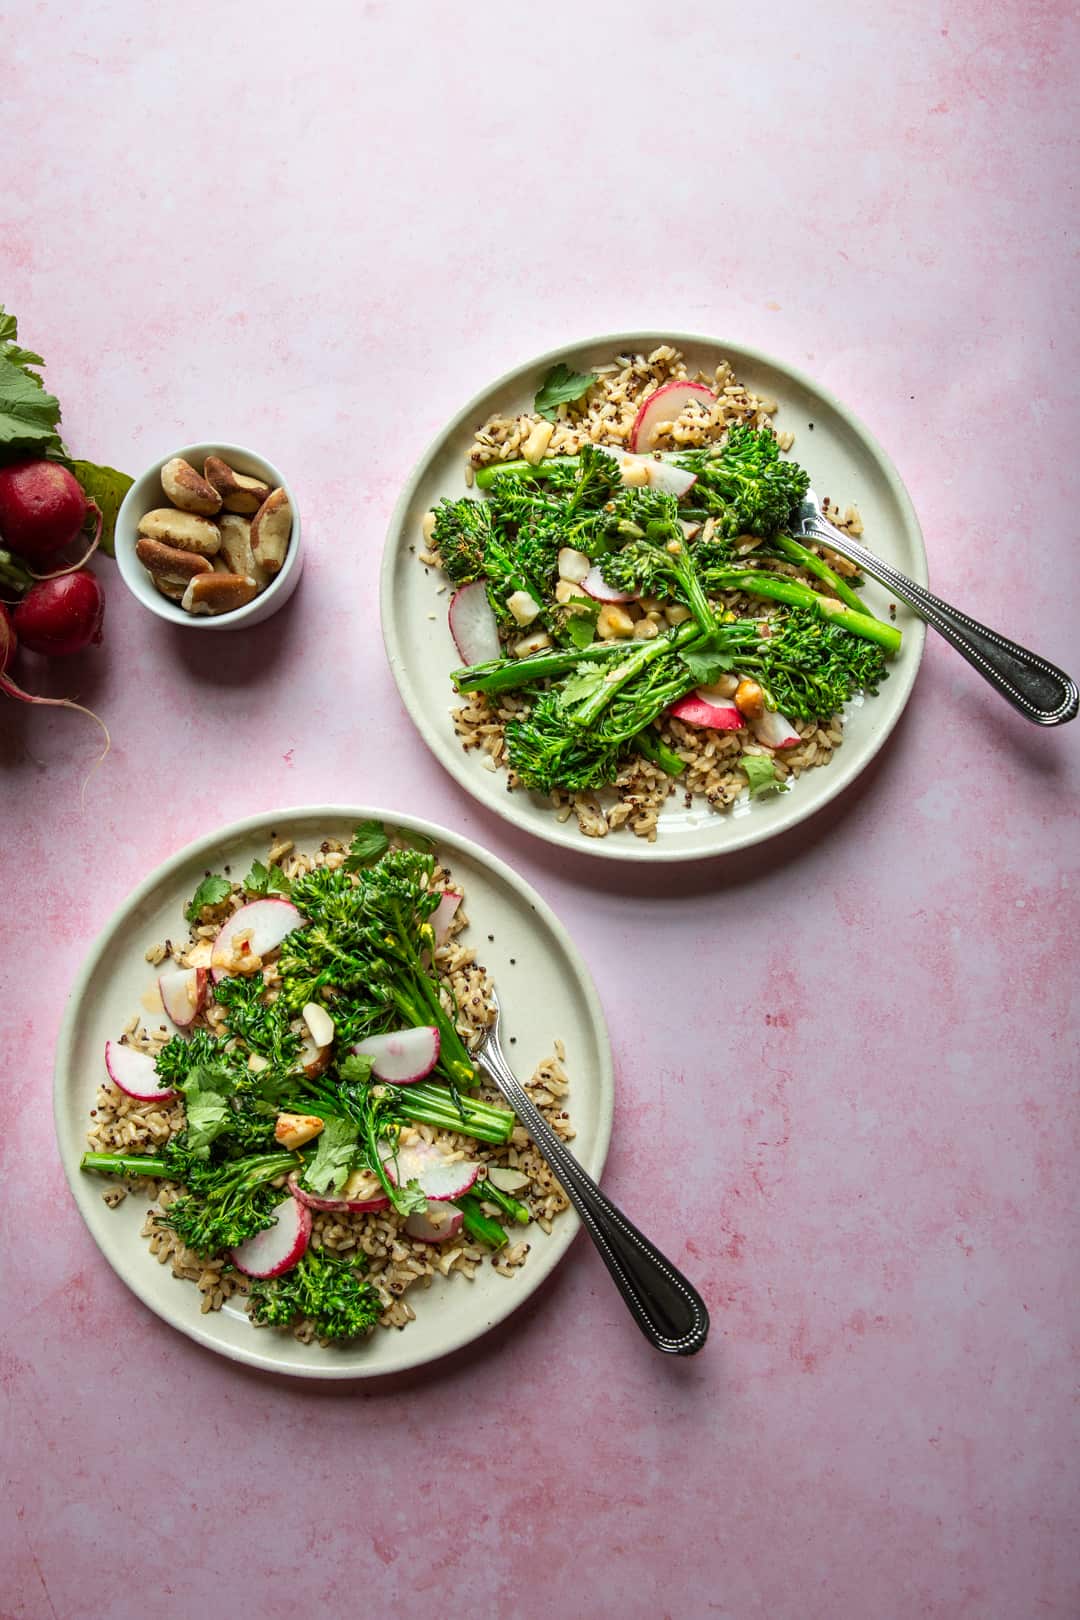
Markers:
{"x": 667, "y": 1308}
{"x": 1038, "y": 689}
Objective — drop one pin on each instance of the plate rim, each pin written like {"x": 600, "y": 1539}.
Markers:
{"x": 603, "y": 1077}
{"x": 444, "y": 747}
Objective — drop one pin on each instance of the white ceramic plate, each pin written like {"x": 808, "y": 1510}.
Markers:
{"x": 844, "y": 462}
{"x": 546, "y": 994}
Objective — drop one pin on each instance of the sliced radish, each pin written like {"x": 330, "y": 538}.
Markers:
{"x": 402, "y": 1056}
{"x": 662, "y": 475}
{"x": 183, "y": 994}
{"x": 252, "y": 932}
{"x": 341, "y": 1205}
{"x": 437, "y": 1175}
{"x": 774, "y": 730}
{"x": 595, "y": 585}
{"x": 711, "y": 713}
{"x": 665, "y": 405}
{"x": 472, "y": 625}
{"x": 280, "y": 1247}
{"x": 436, "y": 1224}
{"x": 444, "y": 914}
{"x": 135, "y": 1073}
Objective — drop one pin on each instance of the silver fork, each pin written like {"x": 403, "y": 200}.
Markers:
{"x": 668, "y": 1309}
{"x": 1038, "y": 689}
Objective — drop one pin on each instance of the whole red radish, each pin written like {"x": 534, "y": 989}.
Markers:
{"x": 62, "y": 615}
{"x": 8, "y": 644}
{"x": 42, "y": 508}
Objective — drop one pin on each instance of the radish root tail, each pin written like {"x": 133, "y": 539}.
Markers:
{"x": 8, "y": 685}
{"x": 73, "y": 568}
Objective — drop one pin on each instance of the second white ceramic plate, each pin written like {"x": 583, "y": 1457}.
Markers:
{"x": 844, "y": 462}
{"x": 545, "y": 992}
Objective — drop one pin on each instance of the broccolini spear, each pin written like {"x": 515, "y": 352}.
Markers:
{"x": 223, "y": 1205}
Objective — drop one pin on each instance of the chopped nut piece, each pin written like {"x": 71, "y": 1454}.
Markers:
{"x": 293, "y": 1130}
{"x": 613, "y": 622}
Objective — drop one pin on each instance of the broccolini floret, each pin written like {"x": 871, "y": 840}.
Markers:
{"x": 325, "y": 1289}
{"x": 744, "y": 485}
{"x": 460, "y": 537}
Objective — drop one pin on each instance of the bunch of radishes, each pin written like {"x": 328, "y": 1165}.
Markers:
{"x": 43, "y": 510}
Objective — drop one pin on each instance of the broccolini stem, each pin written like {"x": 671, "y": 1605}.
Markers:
{"x": 434, "y": 1105}
{"x": 655, "y": 748}
{"x": 124, "y": 1164}
{"x": 486, "y": 476}
{"x": 780, "y": 589}
{"x": 479, "y": 1225}
{"x": 814, "y": 564}
{"x": 504, "y": 674}
{"x": 517, "y": 1211}
{"x": 637, "y": 659}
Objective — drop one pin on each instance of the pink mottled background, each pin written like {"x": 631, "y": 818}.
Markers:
{"x": 318, "y": 229}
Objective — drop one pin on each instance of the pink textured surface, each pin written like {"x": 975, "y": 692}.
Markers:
{"x": 243, "y": 222}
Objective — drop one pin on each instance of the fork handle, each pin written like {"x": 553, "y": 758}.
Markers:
{"x": 1041, "y": 691}
{"x": 667, "y": 1308}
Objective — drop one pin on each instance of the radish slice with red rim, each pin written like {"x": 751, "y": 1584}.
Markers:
{"x": 774, "y": 729}
{"x": 436, "y": 1224}
{"x": 342, "y": 1205}
{"x": 664, "y": 405}
{"x": 256, "y": 929}
{"x": 135, "y": 1073}
{"x": 437, "y": 1175}
{"x": 278, "y": 1248}
{"x": 402, "y": 1056}
{"x": 473, "y": 626}
{"x": 713, "y": 714}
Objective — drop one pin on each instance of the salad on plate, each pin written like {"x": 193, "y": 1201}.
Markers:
{"x": 633, "y": 617}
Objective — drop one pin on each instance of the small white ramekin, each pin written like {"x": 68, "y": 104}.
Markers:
{"x": 146, "y": 494}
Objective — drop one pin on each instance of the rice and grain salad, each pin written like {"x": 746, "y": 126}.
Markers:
{"x": 568, "y": 549}
{"x": 285, "y": 1170}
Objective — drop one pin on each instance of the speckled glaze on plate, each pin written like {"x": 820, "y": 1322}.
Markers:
{"x": 844, "y": 461}
{"x": 546, "y": 994}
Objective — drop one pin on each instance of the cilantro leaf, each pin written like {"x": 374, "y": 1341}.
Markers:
{"x": 211, "y": 892}
{"x": 708, "y": 661}
{"x": 266, "y": 880}
{"x": 561, "y": 386}
{"x": 761, "y": 775}
{"x": 107, "y": 487}
{"x": 584, "y": 683}
{"x": 355, "y": 1069}
{"x": 369, "y": 844}
{"x": 206, "y": 1106}
{"x": 335, "y": 1152}
{"x": 581, "y": 630}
